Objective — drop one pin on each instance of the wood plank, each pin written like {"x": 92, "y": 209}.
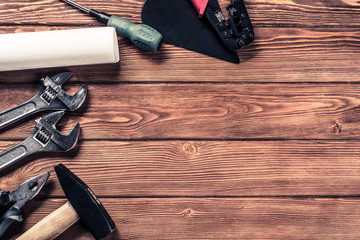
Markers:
{"x": 335, "y": 13}
{"x": 204, "y": 111}
{"x": 201, "y": 168}
{"x": 277, "y": 55}
{"x": 154, "y": 143}
{"x": 224, "y": 218}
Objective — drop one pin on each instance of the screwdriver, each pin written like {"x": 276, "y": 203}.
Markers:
{"x": 141, "y": 35}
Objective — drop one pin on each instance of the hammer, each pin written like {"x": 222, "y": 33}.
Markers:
{"x": 82, "y": 204}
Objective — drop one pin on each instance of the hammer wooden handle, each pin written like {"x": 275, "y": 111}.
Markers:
{"x": 52, "y": 225}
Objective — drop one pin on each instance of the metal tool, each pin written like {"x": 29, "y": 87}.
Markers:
{"x": 236, "y": 32}
{"x": 44, "y": 138}
{"x": 14, "y": 201}
{"x": 141, "y": 35}
{"x": 49, "y": 97}
{"x": 82, "y": 204}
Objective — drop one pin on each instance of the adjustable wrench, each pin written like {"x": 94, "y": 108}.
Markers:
{"x": 44, "y": 138}
{"x": 49, "y": 97}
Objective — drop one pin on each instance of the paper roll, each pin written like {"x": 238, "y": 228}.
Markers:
{"x": 60, "y": 48}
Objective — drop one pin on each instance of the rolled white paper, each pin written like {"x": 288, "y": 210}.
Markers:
{"x": 19, "y": 51}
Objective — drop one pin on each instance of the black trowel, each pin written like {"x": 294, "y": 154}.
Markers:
{"x": 178, "y": 22}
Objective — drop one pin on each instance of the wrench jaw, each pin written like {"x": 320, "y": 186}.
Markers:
{"x": 70, "y": 140}
{"x": 50, "y": 138}
{"x": 60, "y": 78}
{"x": 46, "y": 99}
{"x": 53, "y": 97}
{"x": 51, "y": 119}
{"x": 75, "y": 101}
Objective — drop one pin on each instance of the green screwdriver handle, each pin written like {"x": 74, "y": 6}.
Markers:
{"x": 141, "y": 35}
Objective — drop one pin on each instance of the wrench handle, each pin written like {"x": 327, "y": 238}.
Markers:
{"x": 17, "y": 153}
{"x": 12, "y": 155}
{"x": 14, "y": 114}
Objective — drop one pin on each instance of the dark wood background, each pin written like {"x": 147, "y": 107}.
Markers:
{"x": 178, "y": 145}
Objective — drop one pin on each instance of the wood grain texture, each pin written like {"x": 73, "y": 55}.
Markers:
{"x": 209, "y": 218}
{"x": 278, "y": 55}
{"x": 179, "y": 145}
{"x": 204, "y": 111}
{"x": 334, "y": 13}
{"x": 201, "y": 168}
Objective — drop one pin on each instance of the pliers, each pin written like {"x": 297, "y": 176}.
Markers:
{"x": 14, "y": 201}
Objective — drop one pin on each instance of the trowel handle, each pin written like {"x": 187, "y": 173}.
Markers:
{"x": 141, "y": 35}
{"x": 53, "y": 224}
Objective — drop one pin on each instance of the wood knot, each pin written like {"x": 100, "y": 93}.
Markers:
{"x": 189, "y": 149}
{"x": 187, "y": 212}
{"x": 337, "y": 128}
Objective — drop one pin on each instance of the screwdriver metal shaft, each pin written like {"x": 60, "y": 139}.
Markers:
{"x": 141, "y": 35}
{"x": 77, "y": 6}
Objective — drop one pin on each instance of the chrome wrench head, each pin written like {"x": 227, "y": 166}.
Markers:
{"x": 49, "y": 97}
{"x": 56, "y": 98}
{"x": 44, "y": 138}
{"x": 52, "y": 139}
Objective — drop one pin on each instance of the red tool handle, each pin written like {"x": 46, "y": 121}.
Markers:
{"x": 200, "y": 6}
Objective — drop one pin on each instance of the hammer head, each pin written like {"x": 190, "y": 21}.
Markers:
{"x": 90, "y": 210}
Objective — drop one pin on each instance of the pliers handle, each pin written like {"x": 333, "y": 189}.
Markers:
{"x": 12, "y": 215}
{"x": 4, "y": 198}
{"x": 15, "y": 200}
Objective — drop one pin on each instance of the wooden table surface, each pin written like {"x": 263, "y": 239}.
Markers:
{"x": 178, "y": 145}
